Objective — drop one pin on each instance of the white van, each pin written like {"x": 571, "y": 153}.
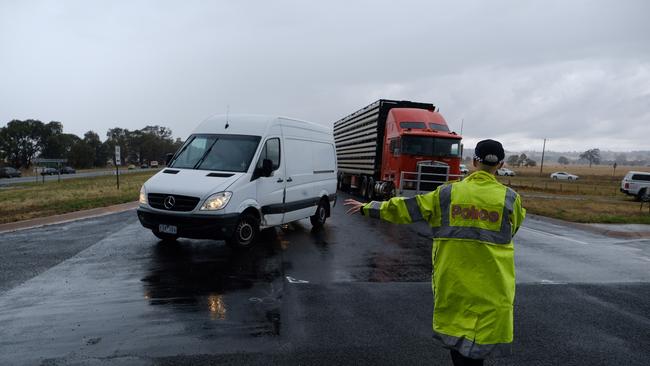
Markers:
{"x": 236, "y": 175}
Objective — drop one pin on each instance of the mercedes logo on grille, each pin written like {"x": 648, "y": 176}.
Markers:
{"x": 169, "y": 202}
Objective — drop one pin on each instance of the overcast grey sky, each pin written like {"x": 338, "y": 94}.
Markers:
{"x": 576, "y": 72}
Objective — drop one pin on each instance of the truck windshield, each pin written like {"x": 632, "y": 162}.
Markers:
{"x": 437, "y": 127}
{"x": 428, "y": 146}
{"x": 230, "y": 153}
{"x": 419, "y": 125}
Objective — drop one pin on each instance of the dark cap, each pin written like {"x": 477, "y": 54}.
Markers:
{"x": 489, "y": 152}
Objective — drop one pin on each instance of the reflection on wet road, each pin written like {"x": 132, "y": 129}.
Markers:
{"x": 199, "y": 276}
{"x": 357, "y": 292}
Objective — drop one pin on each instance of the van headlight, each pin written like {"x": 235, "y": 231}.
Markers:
{"x": 143, "y": 196}
{"x": 217, "y": 201}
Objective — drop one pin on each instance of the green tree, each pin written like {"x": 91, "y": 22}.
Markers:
{"x": 56, "y": 144}
{"x": 563, "y": 160}
{"x": 513, "y": 160}
{"x": 82, "y": 155}
{"x": 592, "y": 156}
{"x": 118, "y": 136}
{"x": 100, "y": 153}
{"x": 522, "y": 160}
{"x": 530, "y": 162}
{"x": 21, "y": 141}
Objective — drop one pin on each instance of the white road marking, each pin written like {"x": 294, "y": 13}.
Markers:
{"x": 293, "y": 280}
{"x": 549, "y": 282}
{"x": 554, "y": 235}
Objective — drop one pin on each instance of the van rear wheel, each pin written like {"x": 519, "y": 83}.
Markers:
{"x": 319, "y": 218}
{"x": 245, "y": 232}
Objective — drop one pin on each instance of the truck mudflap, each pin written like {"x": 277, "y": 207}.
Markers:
{"x": 190, "y": 226}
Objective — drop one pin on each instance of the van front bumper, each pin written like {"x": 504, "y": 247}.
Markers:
{"x": 191, "y": 226}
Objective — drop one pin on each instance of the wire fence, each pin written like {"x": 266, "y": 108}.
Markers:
{"x": 564, "y": 187}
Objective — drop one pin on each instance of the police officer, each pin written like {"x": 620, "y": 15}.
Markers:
{"x": 473, "y": 278}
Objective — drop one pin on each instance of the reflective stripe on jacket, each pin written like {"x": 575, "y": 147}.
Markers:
{"x": 473, "y": 279}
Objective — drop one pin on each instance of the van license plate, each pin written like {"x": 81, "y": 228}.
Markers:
{"x": 167, "y": 229}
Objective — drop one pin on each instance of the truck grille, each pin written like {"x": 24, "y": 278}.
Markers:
{"x": 180, "y": 203}
{"x": 431, "y": 182}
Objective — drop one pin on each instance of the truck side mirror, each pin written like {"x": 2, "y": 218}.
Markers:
{"x": 168, "y": 158}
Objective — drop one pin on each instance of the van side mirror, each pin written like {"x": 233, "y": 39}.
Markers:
{"x": 168, "y": 158}
{"x": 267, "y": 167}
{"x": 265, "y": 171}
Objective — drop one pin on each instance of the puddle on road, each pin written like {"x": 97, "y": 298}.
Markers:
{"x": 216, "y": 290}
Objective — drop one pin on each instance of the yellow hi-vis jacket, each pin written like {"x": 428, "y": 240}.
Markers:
{"x": 473, "y": 278}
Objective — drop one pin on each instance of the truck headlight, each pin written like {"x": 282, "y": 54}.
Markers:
{"x": 217, "y": 201}
{"x": 143, "y": 196}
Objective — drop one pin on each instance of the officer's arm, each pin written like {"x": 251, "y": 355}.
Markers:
{"x": 401, "y": 210}
{"x": 518, "y": 215}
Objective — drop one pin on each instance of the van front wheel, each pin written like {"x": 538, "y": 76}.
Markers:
{"x": 245, "y": 232}
{"x": 318, "y": 219}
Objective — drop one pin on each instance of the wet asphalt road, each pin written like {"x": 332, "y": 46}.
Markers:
{"x": 105, "y": 291}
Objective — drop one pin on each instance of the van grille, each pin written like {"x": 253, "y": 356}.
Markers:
{"x": 181, "y": 203}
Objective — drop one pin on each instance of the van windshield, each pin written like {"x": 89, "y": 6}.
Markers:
{"x": 230, "y": 153}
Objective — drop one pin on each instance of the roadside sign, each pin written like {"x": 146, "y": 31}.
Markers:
{"x": 117, "y": 155}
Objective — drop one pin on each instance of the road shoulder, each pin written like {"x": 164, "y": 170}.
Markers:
{"x": 624, "y": 231}
{"x": 67, "y": 217}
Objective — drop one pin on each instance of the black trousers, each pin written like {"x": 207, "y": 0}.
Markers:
{"x": 460, "y": 360}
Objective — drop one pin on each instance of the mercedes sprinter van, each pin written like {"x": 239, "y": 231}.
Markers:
{"x": 238, "y": 174}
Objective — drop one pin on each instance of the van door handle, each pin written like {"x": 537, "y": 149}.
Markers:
{"x": 280, "y": 180}
{"x": 289, "y": 179}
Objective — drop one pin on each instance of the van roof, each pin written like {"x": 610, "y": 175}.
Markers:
{"x": 249, "y": 124}
{"x": 635, "y": 172}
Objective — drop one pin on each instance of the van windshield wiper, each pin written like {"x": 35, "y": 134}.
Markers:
{"x": 187, "y": 144}
{"x": 198, "y": 163}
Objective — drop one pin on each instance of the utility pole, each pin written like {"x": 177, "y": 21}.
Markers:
{"x": 541, "y": 166}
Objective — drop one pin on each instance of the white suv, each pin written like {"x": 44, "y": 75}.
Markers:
{"x": 636, "y": 184}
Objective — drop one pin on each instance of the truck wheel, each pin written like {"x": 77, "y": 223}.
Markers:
{"x": 364, "y": 187}
{"x": 318, "y": 219}
{"x": 245, "y": 232}
{"x": 644, "y": 195}
{"x": 167, "y": 238}
{"x": 370, "y": 190}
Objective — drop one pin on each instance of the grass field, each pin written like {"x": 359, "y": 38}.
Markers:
{"x": 593, "y": 198}
{"x": 31, "y": 200}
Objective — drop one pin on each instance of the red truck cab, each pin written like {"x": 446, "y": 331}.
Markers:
{"x": 413, "y": 135}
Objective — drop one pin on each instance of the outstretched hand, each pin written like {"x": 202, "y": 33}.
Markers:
{"x": 355, "y": 206}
